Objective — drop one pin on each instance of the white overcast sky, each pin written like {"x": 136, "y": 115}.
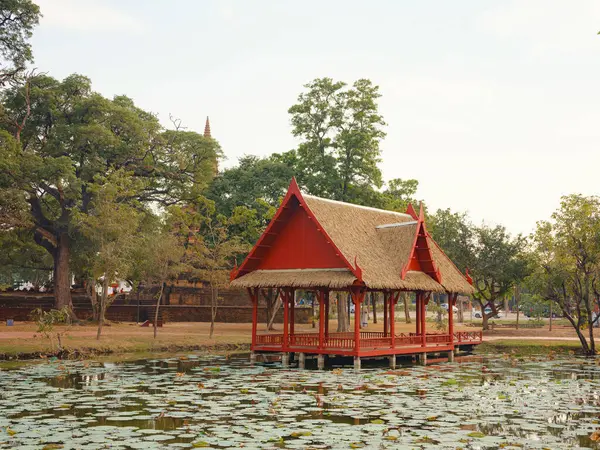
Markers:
{"x": 492, "y": 105}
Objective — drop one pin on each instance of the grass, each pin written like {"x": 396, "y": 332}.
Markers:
{"x": 529, "y": 347}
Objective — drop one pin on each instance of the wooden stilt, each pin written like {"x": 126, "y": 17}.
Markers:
{"x": 392, "y": 303}
{"x": 286, "y": 308}
{"x": 423, "y": 323}
{"x": 418, "y": 313}
{"x": 321, "y": 298}
{"x": 292, "y": 318}
{"x": 326, "y": 296}
{"x": 355, "y": 299}
{"x": 451, "y": 302}
{"x": 385, "y": 314}
{"x": 254, "y": 297}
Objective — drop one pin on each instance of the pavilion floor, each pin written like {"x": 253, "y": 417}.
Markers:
{"x": 371, "y": 343}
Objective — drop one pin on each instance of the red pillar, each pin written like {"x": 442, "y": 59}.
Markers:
{"x": 326, "y": 297}
{"x": 356, "y": 299}
{"x": 285, "y": 297}
{"x": 418, "y": 313}
{"x": 254, "y": 297}
{"x": 392, "y": 302}
{"x": 451, "y": 302}
{"x": 321, "y": 297}
{"x": 292, "y": 318}
{"x": 385, "y": 314}
{"x": 423, "y": 317}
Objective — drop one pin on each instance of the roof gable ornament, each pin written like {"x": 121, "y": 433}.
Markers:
{"x": 290, "y": 203}
{"x": 357, "y": 270}
{"x": 421, "y": 256}
{"x": 468, "y": 276}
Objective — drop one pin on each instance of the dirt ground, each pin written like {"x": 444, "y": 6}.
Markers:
{"x": 22, "y": 338}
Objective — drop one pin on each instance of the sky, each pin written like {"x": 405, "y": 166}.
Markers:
{"x": 493, "y": 106}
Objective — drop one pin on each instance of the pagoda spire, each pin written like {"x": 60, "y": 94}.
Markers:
{"x": 207, "y": 128}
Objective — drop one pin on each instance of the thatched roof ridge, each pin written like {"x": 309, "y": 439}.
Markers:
{"x": 375, "y": 246}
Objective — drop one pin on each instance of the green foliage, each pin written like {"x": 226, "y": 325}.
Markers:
{"x": 340, "y": 129}
{"x": 455, "y": 234}
{"x": 46, "y": 320}
{"x": 17, "y": 20}
{"x": 63, "y": 144}
{"x": 566, "y": 263}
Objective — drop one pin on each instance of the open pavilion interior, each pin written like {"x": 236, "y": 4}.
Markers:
{"x": 336, "y": 249}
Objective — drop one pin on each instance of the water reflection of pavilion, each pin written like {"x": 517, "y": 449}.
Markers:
{"x": 323, "y": 246}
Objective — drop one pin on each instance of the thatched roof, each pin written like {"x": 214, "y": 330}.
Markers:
{"x": 376, "y": 247}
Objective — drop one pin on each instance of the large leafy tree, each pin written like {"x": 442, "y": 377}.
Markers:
{"x": 455, "y": 234}
{"x": 566, "y": 255}
{"x": 498, "y": 263}
{"x": 61, "y": 139}
{"x": 17, "y": 20}
{"x": 340, "y": 130}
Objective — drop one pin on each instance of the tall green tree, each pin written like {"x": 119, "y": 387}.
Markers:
{"x": 17, "y": 20}
{"x": 499, "y": 262}
{"x": 455, "y": 234}
{"x": 566, "y": 269}
{"x": 340, "y": 128}
{"x": 61, "y": 139}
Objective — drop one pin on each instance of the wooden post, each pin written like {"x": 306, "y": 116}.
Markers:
{"x": 292, "y": 318}
{"x": 423, "y": 321}
{"x": 326, "y": 296}
{"x": 451, "y": 302}
{"x": 392, "y": 303}
{"x": 321, "y": 297}
{"x": 254, "y": 297}
{"x": 385, "y": 314}
{"x": 374, "y": 303}
{"x": 418, "y": 312}
{"x": 356, "y": 298}
{"x": 286, "y": 306}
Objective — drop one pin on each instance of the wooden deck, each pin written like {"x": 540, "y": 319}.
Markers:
{"x": 370, "y": 343}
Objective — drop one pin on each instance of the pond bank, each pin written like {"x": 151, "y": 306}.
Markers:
{"x": 529, "y": 346}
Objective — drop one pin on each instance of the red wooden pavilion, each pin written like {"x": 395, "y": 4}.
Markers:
{"x": 322, "y": 245}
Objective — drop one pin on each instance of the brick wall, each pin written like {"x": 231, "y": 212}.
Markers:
{"x": 170, "y": 313}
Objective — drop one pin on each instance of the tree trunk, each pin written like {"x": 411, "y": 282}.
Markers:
{"x": 406, "y": 298}
{"x": 374, "y": 303}
{"x": 91, "y": 289}
{"x": 62, "y": 273}
{"x": 271, "y": 300}
{"x": 270, "y": 326}
{"x": 213, "y": 309}
{"x": 461, "y": 313}
{"x": 162, "y": 287}
{"x": 517, "y": 298}
{"x": 342, "y": 321}
{"x": 550, "y": 328}
{"x": 103, "y": 298}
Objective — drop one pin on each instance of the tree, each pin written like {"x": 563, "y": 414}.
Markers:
{"x": 340, "y": 130}
{"x": 566, "y": 264}
{"x": 158, "y": 258}
{"x": 112, "y": 232}
{"x": 455, "y": 234}
{"x": 498, "y": 263}
{"x": 210, "y": 247}
{"x": 60, "y": 137}
{"x": 17, "y": 20}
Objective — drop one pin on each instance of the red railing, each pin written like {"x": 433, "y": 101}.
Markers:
{"x": 339, "y": 342}
{"x": 468, "y": 337}
{"x": 368, "y": 339}
{"x": 269, "y": 339}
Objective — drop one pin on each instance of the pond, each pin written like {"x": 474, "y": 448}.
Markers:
{"x": 217, "y": 402}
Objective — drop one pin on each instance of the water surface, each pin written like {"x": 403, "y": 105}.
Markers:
{"x": 216, "y": 402}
